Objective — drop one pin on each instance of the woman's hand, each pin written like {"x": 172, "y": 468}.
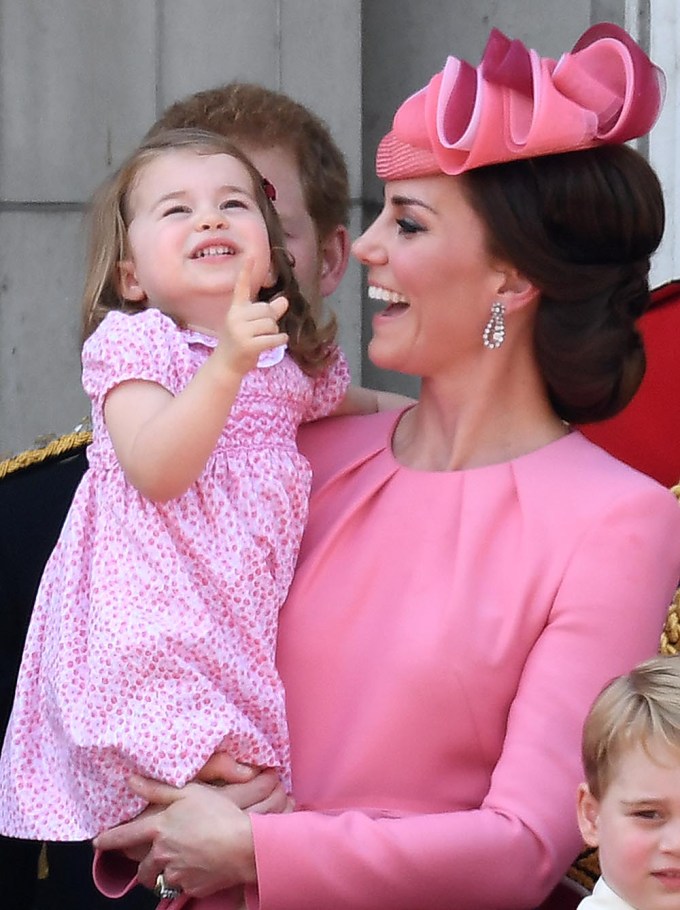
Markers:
{"x": 201, "y": 841}
{"x": 199, "y": 835}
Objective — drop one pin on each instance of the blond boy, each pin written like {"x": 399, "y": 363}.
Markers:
{"x": 629, "y": 806}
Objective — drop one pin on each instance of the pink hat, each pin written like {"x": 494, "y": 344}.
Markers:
{"x": 517, "y": 104}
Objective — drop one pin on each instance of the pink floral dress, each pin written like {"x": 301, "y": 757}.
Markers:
{"x": 153, "y": 635}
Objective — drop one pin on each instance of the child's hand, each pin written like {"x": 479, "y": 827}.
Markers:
{"x": 250, "y": 327}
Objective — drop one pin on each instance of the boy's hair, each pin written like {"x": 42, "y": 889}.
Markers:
{"x": 262, "y": 118}
{"x": 640, "y": 708}
{"x": 110, "y": 215}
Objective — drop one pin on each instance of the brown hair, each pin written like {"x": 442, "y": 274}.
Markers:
{"x": 259, "y": 117}
{"x": 309, "y": 344}
{"x": 642, "y": 707}
{"x": 582, "y": 227}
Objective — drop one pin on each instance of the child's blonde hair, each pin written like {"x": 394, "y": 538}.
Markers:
{"x": 641, "y": 707}
{"x": 309, "y": 344}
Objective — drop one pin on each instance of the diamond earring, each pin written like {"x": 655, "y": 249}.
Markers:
{"x": 494, "y": 330}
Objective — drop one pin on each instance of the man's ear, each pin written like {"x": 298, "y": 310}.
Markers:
{"x": 588, "y": 815}
{"x": 515, "y": 290}
{"x": 128, "y": 285}
{"x": 334, "y": 256}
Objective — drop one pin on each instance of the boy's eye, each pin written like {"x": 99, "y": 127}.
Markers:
{"x": 409, "y": 226}
{"x": 647, "y": 814}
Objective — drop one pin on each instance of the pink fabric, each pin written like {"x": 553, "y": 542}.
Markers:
{"x": 443, "y": 638}
{"x": 517, "y": 104}
{"x": 152, "y": 639}
{"x": 115, "y": 876}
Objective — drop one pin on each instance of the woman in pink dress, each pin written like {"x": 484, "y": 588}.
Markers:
{"x": 473, "y": 570}
{"x": 152, "y": 640}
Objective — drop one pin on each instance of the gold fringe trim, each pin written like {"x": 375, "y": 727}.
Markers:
{"x": 586, "y": 869}
{"x": 43, "y": 866}
{"x": 670, "y": 637}
{"x": 57, "y": 447}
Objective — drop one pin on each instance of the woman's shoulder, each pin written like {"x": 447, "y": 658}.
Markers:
{"x": 583, "y": 479}
{"x": 338, "y": 442}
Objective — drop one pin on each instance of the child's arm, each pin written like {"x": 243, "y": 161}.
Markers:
{"x": 162, "y": 441}
{"x": 367, "y": 401}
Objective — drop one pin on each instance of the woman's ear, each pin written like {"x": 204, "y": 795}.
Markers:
{"x": 129, "y": 287}
{"x": 588, "y": 814}
{"x": 515, "y": 290}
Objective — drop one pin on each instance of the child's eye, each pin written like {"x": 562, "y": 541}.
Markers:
{"x": 233, "y": 204}
{"x": 409, "y": 226}
{"x": 176, "y": 209}
{"x": 647, "y": 814}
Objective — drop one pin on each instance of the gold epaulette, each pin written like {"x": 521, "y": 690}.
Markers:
{"x": 60, "y": 446}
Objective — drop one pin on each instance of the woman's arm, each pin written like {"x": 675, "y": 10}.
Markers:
{"x": 510, "y": 852}
{"x": 513, "y": 849}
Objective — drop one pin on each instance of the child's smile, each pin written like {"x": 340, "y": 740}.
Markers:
{"x": 192, "y": 210}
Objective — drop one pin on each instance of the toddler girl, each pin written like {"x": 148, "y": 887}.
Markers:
{"x": 153, "y": 635}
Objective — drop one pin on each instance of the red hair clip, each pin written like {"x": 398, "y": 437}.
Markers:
{"x": 269, "y": 189}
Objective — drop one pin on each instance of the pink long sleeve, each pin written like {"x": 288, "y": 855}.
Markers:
{"x": 568, "y": 559}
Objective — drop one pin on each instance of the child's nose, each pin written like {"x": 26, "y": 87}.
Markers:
{"x": 210, "y": 219}
{"x": 670, "y": 837}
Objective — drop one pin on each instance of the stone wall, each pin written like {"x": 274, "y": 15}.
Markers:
{"x": 82, "y": 80}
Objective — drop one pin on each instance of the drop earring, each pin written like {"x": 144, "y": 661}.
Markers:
{"x": 494, "y": 330}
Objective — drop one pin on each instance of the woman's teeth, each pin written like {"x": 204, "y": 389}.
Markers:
{"x": 386, "y": 296}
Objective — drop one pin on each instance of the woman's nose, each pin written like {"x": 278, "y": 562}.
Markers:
{"x": 367, "y": 247}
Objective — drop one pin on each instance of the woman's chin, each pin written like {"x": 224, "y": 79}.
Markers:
{"x": 385, "y": 357}
{"x": 380, "y": 356}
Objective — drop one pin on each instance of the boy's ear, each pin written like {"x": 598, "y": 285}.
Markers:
{"x": 333, "y": 257}
{"x": 588, "y": 815}
{"x": 128, "y": 286}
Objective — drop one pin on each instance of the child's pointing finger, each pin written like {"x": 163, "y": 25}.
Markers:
{"x": 242, "y": 291}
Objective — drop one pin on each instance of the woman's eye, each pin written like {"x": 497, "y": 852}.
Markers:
{"x": 408, "y": 226}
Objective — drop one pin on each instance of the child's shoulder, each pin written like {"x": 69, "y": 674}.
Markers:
{"x": 118, "y": 329}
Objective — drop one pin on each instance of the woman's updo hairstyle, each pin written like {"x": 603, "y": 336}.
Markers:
{"x": 581, "y": 226}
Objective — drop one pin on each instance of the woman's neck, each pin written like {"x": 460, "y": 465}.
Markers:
{"x": 468, "y": 423}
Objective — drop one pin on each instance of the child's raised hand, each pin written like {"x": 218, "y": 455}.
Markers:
{"x": 250, "y": 327}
